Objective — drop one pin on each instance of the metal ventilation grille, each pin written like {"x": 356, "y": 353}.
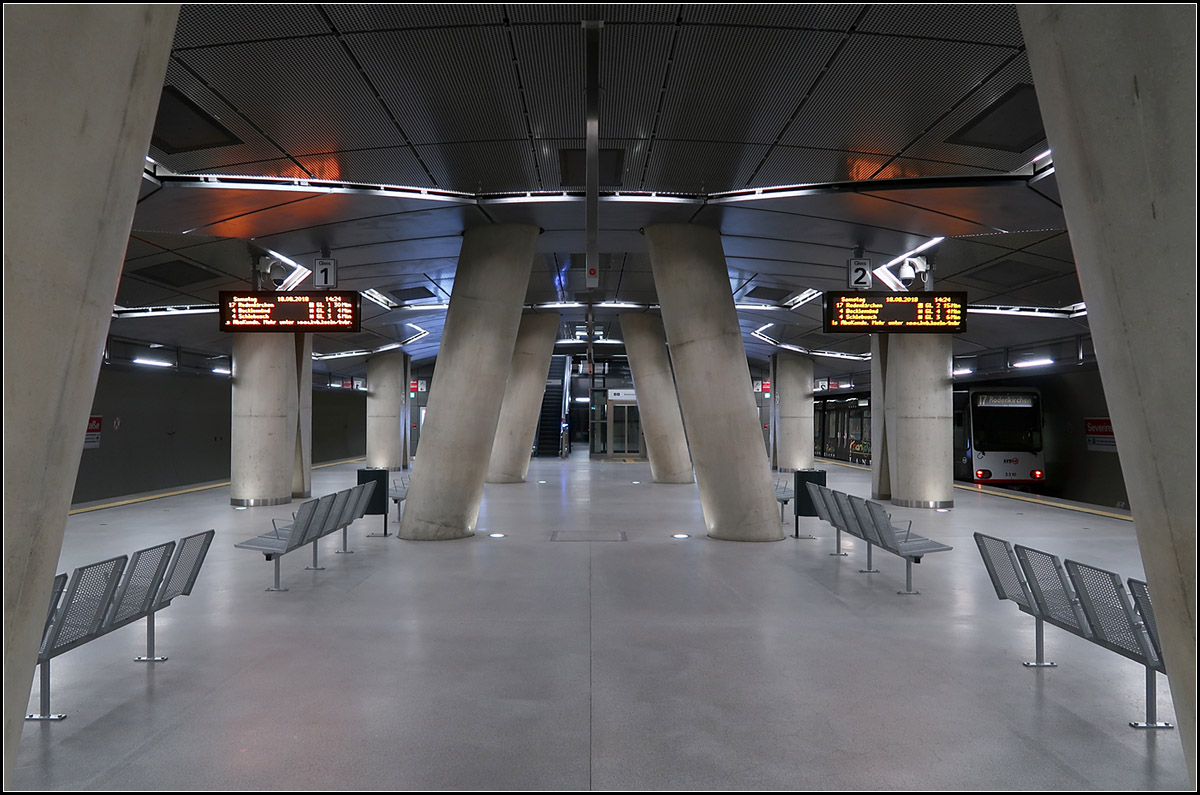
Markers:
{"x": 765, "y": 293}
{"x": 550, "y": 60}
{"x": 893, "y": 78}
{"x": 481, "y": 167}
{"x": 307, "y": 95}
{"x": 445, "y": 84}
{"x": 575, "y": 14}
{"x": 1013, "y": 123}
{"x": 987, "y": 24}
{"x": 204, "y": 25}
{"x": 784, "y": 15}
{"x": 700, "y": 166}
{"x": 411, "y": 294}
{"x": 1009, "y": 273}
{"x": 721, "y": 76}
{"x": 176, "y": 273}
{"x": 350, "y": 17}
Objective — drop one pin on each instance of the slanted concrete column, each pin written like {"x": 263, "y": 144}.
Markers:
{"x": 793, "y": 393}
{"x": 919, "y": 404}
{"x": 302, "y": 466}
{"x": 658, "y": 402}
{"x": 265, "y": 420}
{"x": 468, "y": 383}
{"x": 1117, "y": 89}
{"x": 387, "y": 410}
{"x": 83, "y": 80}
{"x": 517, "y": 426}
{"x": 881, "y": 473}
{"x": 713, "y": 378}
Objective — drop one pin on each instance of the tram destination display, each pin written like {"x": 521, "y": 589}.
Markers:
{"x": 326, "y": 310}
{"x": 863, "y": 311}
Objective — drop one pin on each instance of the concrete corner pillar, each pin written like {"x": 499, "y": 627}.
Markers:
{"x": 302, "y": 466}
{"x": 919, "y": 404}
{"x": 1117, "y": 89}
{"x": 658, "y": 402}
{"x": 83, "y": 80}
{"x": 468, "y": 383}
{"x": 387, "y": 410}
{"x": 522, "y": 405}
{"x": 881, "y": 472}
{"x": 265, "y": 419}
{"x": 793, "y": 393}
{"x": 733, "y": 473}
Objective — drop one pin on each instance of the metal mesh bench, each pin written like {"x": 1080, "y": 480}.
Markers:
{"x": 784, "y": 493}
{"x": 816, "y": 493}
{"x": 105, "y": 596}
{"x": 314, "y": 520}
{"x": 1083, "y": 600}
{"x": 910, "y": 546}
{"x": 398, "y": 493}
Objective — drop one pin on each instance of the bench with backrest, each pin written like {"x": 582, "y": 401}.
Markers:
{"x": 398, "y": 493}
{"x": 816, "y": 494}
{"x": 902, "y": 542}
{"x": 1083, "y": 600}
{"x": 314, "y": 520}
{"x": 103, "y": 597}
{"x": 784, "y": 493}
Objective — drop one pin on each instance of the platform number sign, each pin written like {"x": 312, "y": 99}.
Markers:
{"x": 859, "y": 273}
{"x": 325, "y": 274}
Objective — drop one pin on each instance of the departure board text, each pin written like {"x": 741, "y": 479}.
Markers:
{"x": 304, "y": 312}
{"x": 886, "y": 312}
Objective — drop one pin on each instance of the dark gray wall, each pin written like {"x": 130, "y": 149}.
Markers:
{"x": 167, "y": 429}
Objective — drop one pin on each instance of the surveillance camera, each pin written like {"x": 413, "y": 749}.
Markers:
{"x": 277, "y": 273}
{"x": 906, "y": 274}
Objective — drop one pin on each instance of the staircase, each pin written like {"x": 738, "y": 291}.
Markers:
{"x": 549, "y": 433}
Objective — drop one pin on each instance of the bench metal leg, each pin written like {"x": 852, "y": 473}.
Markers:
{"x": 1152, "y": 721}
{"x": 314, "y": 566}
{"x": 908, "y": 591}
{"x": 343, "y": 550}
{"x": 870, "y": 569}
{"x": 276, "y": 586}
{"x": 150, "y": 643}
{"x": 44, "y": 682}
{"x": 1040, "y": 642}
{"x": 837, "y": 544}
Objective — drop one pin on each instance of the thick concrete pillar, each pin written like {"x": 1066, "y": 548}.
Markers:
{"x": 1117, "y": 89}
{"x": 266, "y": 407}
{"x": 387, "y": 410}
{"x": 919, "y": 404}
{"x": 713, "y": 379}
{"x": 793, "y": 392}
{"x": 302, "y": 465}
{"x": 522, "y": 405}
{"x": 468, "y": 383}
{"x": 658, "y": 402}
{"x": 881, "y": 472}
{"x": 83, "y": 80}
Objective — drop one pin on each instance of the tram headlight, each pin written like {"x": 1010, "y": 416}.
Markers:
{"x": 1037, "y": 474}
{"x": 983, "y": 474}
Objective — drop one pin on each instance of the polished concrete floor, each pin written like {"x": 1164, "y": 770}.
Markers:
{"x": 589, "y": 649}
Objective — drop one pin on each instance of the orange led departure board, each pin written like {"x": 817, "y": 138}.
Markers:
{"x": 330, "y": 310}
{"x": 866, "y": 311}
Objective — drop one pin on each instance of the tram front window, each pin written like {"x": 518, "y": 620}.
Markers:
{"x": 1008, "y": 428}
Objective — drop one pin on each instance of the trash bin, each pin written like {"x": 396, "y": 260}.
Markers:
{"x": 803, "y": 500}
{"x": 378, "y": 504}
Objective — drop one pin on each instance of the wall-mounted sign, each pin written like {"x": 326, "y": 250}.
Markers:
{"x": 622, "y": 395}
{"x": 875, "y": 311}
{"x": 325, "y": 274}
{"x": 858, "y": 276}
{"x": 305, "y": 312}
{"x": 1099, "y": 434}
{"x": 91, "y": 440}
{"x": 421, "y": 385}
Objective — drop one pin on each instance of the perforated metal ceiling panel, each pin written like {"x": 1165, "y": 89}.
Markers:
{"x": 701, "y": 100}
